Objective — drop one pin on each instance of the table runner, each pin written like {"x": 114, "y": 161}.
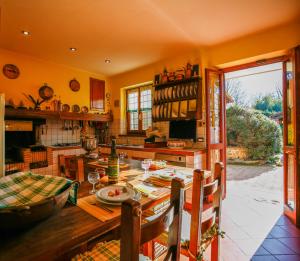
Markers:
{"x": 21, "y": 188}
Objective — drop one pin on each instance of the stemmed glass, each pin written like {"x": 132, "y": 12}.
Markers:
{"x": 146, "y": 165}
{"x": 93, "y": 178}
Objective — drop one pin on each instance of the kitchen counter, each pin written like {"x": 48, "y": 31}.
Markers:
{"x": 54, "y": 148}
{"x": 166, "y": 150}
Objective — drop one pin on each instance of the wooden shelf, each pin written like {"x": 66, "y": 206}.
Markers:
{"x": 31, "y": 114}
{"x": 175, "y": 82}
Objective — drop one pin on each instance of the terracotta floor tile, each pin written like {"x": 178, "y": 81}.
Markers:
{"x": 288, "y": 257}
{"x": 275, "y": 247}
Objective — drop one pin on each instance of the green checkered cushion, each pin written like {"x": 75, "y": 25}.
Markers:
{"x": 105, "y": 251}
{"x": 27, "y": 188}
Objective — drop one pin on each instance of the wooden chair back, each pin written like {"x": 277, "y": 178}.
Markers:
{"x": 133, "y": 234}
{"x": 206, "y": 208}
{"x": 71, "y": 167}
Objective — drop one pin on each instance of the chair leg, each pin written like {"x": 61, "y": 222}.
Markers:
{"x": 215, "y": 251}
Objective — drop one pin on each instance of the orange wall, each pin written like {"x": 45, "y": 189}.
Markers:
{"x": 269, "y": 43}
{"x": 146, "y": 73}
{"x": 274, "y": 40}
{"x": 34, "y": 73}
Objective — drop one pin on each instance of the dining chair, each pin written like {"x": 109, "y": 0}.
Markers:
{"x": 205, "y": 213}
{"x": 134, "y": 234}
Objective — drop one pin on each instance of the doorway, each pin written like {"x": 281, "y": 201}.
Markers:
{"x": 254, "y": 124}
{"x": 250, "y": 244}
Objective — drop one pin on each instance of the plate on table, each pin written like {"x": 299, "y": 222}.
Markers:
{"x": 115, "y": 193}
{"x": 165, "y": 174}
{"x": 109, "y": 202}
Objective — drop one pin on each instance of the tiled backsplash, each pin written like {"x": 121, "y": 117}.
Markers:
{"x": 163, "y": 126}
{"x": 52, "y": 132}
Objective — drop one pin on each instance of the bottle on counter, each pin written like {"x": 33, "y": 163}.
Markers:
{"x": 113, "y": 169}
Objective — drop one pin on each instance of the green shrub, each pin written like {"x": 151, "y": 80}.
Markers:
{"x": 254, "y": 131}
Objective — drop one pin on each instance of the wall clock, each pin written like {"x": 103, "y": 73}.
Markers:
{"x": 11, "y": 71}
{"x": 74, "y": 85}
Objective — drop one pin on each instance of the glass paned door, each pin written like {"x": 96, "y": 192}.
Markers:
{"x": 215, "y": 119}
{"x": 291, "y": 132}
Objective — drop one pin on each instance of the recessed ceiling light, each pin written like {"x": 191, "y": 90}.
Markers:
{"x": 73, "y": 49}
{"x": 26, "y": 33}
{"x": 107, "y": 61}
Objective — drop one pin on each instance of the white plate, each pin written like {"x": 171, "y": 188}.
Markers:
{"x": 109, "y": 202}
{"x": 102, "y": 194}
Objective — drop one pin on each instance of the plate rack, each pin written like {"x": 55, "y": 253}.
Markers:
{"x": 180, "y": 99}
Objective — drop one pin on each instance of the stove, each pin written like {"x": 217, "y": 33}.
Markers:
{"x": 67, "y": 144}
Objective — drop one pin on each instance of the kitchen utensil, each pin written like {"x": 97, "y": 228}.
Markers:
{"x": 72, "y": 127}
{"x": 175, "y": 108}
{"x": 174, "y": 92}
{"x": 75, "y": 108}
{"x": 90, "y": 144}
{"x": 170, "y": 90}
{"x": 66, "y": 108}
{"x": 84, "y": 109}
{"x": 103, "y": 207}
{"x": 46, "y": 92}
{"x": 178, "y": 93}
{"x": 166, "y": 93}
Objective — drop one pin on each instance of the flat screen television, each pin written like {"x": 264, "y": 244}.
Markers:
{"x": 183, "y": 129}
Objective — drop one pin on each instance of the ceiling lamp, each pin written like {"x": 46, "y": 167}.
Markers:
{"x": 73, "y": 49}
{"x": 107, "y": 61}
{"x": 26, "y": 33}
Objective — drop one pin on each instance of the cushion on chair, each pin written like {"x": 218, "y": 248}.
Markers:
{"x": 104, "y": 251}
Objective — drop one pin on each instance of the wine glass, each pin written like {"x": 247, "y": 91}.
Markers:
{"x": 146, "y": 165}
{"x": 93, "y": 178}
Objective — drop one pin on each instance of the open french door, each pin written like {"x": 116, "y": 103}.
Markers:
{"x": 291, "y": 135}
{"x": 215, "y": 119}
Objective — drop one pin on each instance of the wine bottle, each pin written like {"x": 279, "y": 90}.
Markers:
{"x": 113, "y": 169}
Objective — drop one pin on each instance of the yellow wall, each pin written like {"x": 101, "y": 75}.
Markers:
{"x": 34, "y": 73}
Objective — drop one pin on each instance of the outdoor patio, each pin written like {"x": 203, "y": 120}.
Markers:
{"x": 252, "y": 216}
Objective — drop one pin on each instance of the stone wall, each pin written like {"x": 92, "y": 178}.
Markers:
{"x": 236, "y": 153}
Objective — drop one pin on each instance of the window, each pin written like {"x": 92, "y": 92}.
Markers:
{"x": 139, "y": 104}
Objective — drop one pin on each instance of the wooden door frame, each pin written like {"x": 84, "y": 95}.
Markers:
{"x": 294, "y": 215}
{"x": 222, "y": 123}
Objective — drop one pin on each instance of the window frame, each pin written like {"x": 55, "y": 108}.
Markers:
{"x": 140, "y": 130}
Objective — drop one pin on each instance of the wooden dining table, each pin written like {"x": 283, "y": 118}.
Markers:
{"x": 64, "y": 234}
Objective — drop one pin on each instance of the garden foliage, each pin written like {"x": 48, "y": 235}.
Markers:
{"x": 254, "y": 131}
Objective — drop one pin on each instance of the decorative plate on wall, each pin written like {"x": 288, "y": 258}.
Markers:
{"x": 11, "y": 71}
{"x": 46, "y": 92}
{"x": 74, "y": 85}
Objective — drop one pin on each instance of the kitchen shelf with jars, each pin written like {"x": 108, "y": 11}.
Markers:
{"x": 178, "y": 95}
